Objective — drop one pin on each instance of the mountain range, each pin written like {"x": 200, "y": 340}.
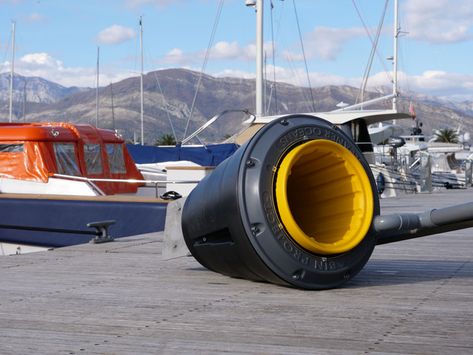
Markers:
{"x": 168, "y": 98}
{"x": 34, "y": 89}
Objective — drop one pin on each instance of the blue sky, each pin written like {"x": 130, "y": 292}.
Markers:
{"x": 58, "y": 39}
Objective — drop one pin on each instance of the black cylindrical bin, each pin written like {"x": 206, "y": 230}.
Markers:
{"x": 293, "y": 206}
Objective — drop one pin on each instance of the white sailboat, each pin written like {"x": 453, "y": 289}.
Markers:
{"x": 353, "y": 119}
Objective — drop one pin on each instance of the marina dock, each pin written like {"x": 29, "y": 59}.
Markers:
{"x": 413, "y": 297}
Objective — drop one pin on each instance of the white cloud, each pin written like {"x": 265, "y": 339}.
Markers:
{"x": 296, "y": 76}
{"x": 176, "y": 57}
{"x": 45, "y": 66}
{"x": 115, "y": 34}
{"x": 431, "y": 82}
{"x": 325, "y": 42}
{"x": 35, "y": 17}
{"x": 225, "y": 50}
{"x": 439, "y": 21}
{"x": 231, "y": 73}
{"x": 39, "y": 60}
{"x": 220, "y": 51}
{"x": 232, "y": 50}
{"x": 443, "y": 83}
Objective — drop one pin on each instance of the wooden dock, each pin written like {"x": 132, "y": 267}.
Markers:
{"x": 413, "y": 297}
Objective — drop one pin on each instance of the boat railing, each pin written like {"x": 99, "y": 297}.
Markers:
{"x": 415, "y": 163}
{"x": 154, "y": 183}
{"x": 252, "y": 117}
{"x": 365, "y": 104}
{"x": 94, "y": 187}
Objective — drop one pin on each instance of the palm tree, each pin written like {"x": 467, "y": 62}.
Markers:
{"x": 166, "y": 139}
{"x": 446, "y": 135}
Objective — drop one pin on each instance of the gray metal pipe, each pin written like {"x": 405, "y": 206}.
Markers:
{"x": 453, "y": 214}
{"x": 396, "y": 227}
{"x": 396, "y": 222}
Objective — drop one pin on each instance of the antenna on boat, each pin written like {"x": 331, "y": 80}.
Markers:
{"x": 141, "y": 80}
{"x": 258, "y": 5}
{"x": 97, "y": 89}
{"x": 12, "y": 70}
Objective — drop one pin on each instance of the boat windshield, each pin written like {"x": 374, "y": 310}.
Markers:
{"x": 66, "y": 159}
{"x": 116, "y": 159}
{"x": 11, "y": 148}
{"x": 93, "y": 159}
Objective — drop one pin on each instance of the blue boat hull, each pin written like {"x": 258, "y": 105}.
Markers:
{"x": 132, "y": 218}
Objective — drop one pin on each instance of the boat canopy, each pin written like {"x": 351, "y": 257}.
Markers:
{"x": 37, "y": 151}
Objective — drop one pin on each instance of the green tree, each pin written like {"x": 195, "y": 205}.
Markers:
{"x": 166, "y": 139}
{"x": 446, "y": 135}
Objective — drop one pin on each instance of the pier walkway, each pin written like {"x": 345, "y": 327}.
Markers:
{"x": 413, "y": 297}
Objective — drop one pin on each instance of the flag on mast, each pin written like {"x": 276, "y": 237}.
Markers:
{"x": 412, "y": 110}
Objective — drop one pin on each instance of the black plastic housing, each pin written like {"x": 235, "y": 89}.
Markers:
{"x": 231, "y": 223}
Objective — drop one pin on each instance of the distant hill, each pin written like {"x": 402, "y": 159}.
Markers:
{"x": 34, "y": 89}
{"x": 169, "y": 95}
{"x": 31, "y": 94}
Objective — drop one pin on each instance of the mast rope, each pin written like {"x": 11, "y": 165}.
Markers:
{"x": 273, "y": 47}
{"x": 155, "y": 75}
{"x": 204, "y": 65}
{"x": 374, "y": 49}
{"x": 303, "y": 54}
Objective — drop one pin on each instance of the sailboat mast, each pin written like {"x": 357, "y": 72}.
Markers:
{"x": 97, "y": 89}
{"x": 259, "y": 57}
{"x": 12, "y": 71}
{"x": 141, "y": 80}
{"x": 395, "y": 54}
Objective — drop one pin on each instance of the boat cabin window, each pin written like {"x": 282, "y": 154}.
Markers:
{"x": 413, "y": 139}
{"x": 66, "y": 160}
{"x": 93, "y": 159}
{"x": 11, "y": 148}
{"x": 115, "y": 156}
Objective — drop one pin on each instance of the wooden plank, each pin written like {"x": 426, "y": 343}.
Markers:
{"x": 413, "y": 297}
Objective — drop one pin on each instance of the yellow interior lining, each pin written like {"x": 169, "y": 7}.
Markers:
{"x": 324, "y": 197}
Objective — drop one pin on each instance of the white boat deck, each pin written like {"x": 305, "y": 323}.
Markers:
{"x": 413, "y": 297}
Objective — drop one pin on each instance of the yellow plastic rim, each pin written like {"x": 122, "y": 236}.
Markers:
{"x": 324, "y": 197}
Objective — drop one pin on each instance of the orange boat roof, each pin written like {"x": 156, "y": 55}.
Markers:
{"x": 56, "y": 131}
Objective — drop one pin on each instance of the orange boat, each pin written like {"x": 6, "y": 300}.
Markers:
{"x": 52, "y": 157}
{"x": 56, "y": 178}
